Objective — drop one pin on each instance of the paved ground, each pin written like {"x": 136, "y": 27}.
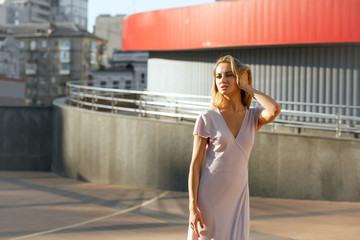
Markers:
{"x": 37, "y": 205}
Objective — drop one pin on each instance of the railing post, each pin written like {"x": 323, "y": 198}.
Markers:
{"x": 141, "y": 109}
{"x": 338, "y": 124}
{"x": 177, "y": 109}
{"x": 112, "y": 102}
{"x": 92, "y": 100}
{"x": 78, "y": 97}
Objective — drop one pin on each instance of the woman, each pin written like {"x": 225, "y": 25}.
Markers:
{"x": 219, "y": 198}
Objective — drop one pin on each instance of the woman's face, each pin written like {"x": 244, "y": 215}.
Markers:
{"x": 225, "y": 79}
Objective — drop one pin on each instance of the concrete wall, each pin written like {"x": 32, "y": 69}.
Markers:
{"x": 25, "y": 138}
{"x": 305, "y": 167}
{"x": 109, "y": 148}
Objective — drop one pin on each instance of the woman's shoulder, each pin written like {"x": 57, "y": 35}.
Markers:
{"x": 208, "y": 115}
{"x": 209, "y": 112}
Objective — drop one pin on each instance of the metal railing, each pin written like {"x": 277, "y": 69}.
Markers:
{"x": 182, "y": 107}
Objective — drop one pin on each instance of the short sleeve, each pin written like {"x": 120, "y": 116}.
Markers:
{"x": 256, "y": 114}
{"x": 201, "y": 127}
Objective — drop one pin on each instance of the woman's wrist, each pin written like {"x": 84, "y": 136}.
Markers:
{"x": 193, "y": 208}
{"x": 249, "y": 90}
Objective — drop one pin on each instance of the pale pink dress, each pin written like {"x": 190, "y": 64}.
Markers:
{"x": 223, "y": 196}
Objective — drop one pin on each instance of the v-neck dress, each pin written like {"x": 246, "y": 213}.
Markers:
{"x": 223, "y": 195}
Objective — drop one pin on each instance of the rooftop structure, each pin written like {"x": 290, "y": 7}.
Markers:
{"x": 299, "y": 51}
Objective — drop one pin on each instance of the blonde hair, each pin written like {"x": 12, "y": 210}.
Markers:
{"x": 237, "y": 69}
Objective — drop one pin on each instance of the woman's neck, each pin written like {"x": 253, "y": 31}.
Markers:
{"x": 232, "y": 102}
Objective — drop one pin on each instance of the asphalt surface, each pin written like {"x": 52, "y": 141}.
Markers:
{"x": 39, "y": 205}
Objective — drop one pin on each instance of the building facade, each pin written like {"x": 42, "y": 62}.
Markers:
{"x": 128, "y": 71}
{"x": 74, "y": 11}
{"x": 51, "y": 55}
{"x": 44, "y": 11}
{"x": 25, "y": 11}
{"x": 10, "y": 56}
{"x": 12, "y": 88}
{"x": 110, "y": 28}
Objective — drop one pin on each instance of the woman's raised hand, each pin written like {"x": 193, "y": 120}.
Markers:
{"x": 244, "y": 80}
{"x": 195, "y": 218}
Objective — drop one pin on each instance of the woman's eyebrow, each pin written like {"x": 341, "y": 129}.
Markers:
{"x": 225, "y": 72}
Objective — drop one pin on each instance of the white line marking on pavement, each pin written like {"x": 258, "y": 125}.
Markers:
{"x": 95, "y": 219}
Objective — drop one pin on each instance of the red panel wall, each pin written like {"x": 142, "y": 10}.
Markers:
{"x": 244, "y": 23}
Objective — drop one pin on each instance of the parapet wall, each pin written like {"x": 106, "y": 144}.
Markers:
{"x": 119, "y": 149}
{"x": 25, "y": 138}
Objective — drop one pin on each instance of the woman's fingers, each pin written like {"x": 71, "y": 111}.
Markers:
{"x": 201, "y": 221}
{"x": 195, "y": 228}
{"x": 195, "y": 220}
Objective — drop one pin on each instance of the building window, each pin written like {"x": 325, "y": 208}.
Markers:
{"x": 54, "y": 79}
{"x": 103, "y": 84}
{"x": 84, "y": 44}
{"x": 33, "y": 45}
{"x": 43, "y": 68}
{"x": 44, "y": 55}
{"x": 65, "y": 56}
{"x": 55, "y": 43}
{"x": 31, "y": 92}
{"x": 33, "y": 56}
{"x": 143, "y": 78}
{"x": 54, "y": 92}
{"x": 93, "y": 46}
{"x": 42, "y": 80}
{"x": 55, "y": 56}
{"x": 22, "y": 44}
{"x": 44, "y": 43}
{"x": 54, "y": 68}
{"x": 93, "y": 58}
{"x": 30, "y": 69}
{"x": 127, "y": 84}
{"x": 115, "y": 84}
{"x": 31, "y": 80}
{"x": 64, "y": 69}
{"x": 42, "y": 91}
{"x": 65, "y": 44}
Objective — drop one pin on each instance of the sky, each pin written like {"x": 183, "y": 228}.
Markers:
{"x": 127, "y": 7}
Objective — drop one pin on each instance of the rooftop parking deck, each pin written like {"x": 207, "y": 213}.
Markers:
{"x": 39, "y": 205}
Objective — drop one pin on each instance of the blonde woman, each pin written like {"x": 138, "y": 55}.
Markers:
{"x": 219, "y": 193}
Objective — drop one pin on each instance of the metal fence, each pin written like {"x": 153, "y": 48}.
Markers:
{"x": 337, "y": 118}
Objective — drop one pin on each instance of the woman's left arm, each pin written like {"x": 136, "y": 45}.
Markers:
{"x": 272, "y": 108}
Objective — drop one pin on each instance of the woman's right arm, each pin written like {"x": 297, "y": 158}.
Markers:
{"x": 194, "y": 179}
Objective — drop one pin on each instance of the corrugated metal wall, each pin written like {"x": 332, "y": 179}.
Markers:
{"x": 312, "y": 73}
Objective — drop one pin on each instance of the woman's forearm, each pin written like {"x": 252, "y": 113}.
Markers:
{"x": 195, "y": 170}
{"x": 194, "y": 179}
{"x": 264, "y": 100}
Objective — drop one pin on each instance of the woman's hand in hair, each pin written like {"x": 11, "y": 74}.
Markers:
{"x": 244, "y": 80}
